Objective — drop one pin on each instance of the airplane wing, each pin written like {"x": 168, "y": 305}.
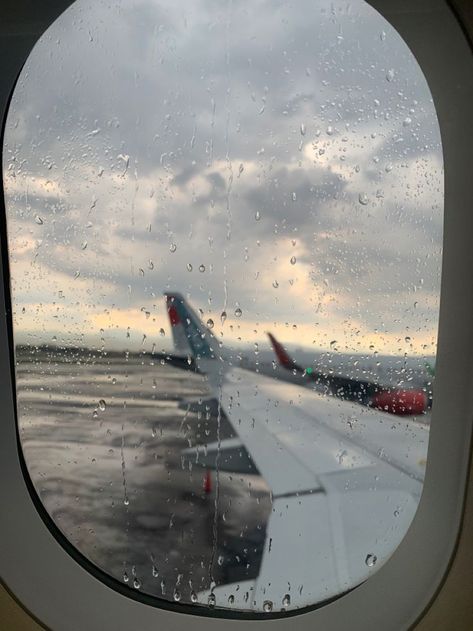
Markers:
{"x": 345, "y": 480}
{"x": 401, "y": 401}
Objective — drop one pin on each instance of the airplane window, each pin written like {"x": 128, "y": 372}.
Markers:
{"x": 225, "y": 228}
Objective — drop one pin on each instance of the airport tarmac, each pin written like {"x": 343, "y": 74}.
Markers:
{"x": 102, "y": 438}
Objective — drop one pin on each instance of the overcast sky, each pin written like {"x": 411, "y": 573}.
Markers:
{"x": 283, "y": 158}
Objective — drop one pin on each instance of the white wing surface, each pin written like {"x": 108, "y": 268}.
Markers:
{"x": 345, "y": 480}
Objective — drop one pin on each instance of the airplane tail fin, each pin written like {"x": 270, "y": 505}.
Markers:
{"x": 189, "y": 334}
{"x": 283, "y": 356}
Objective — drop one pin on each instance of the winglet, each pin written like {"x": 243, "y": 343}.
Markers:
{"x": 189, "y": 334}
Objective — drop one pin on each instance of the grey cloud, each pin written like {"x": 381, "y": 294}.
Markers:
{"x": 179, "y": 89}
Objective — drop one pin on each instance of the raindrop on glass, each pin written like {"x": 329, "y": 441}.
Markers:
{"x": 363, "y": 199}
{"x": 370, "y": 560}
{"x": 238, "y": 312}
{"x": 172, "y": 247}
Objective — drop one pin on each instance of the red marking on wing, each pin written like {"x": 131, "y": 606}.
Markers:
{"x": 281, "y": 353}
{"x": 402, "y": 402}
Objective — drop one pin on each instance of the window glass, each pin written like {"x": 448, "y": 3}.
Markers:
{"x": 224, "y": 227}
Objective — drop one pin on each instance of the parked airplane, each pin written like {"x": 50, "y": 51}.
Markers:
{"x": 402, "y": 401}
{"x": 327, "y": 464}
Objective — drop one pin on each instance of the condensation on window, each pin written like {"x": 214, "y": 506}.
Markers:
{"x": 224, "y": 228}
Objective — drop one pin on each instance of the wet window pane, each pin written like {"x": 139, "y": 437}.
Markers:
{"x": 224, "y": 228}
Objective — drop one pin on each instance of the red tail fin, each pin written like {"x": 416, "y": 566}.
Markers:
{"x": 283, "y": 357}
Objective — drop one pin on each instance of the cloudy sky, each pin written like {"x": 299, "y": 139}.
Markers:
{"x": 282, "y": 158}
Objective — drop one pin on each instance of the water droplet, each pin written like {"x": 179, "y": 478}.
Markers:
{"x": 302, "y": 129}
{"x": 407, "y": 339}
{"x": 371, "y": 560}
{"x": 210, "y": 323}
{"x": 136, "y": 583}
{"x": 268, "y": 606}
{"x": 125, "y": 577}
{"x": 286, "y": 601}
{"x": 333, "y": 343}
{"x": 220, "y": 560}
{"x": 155, "y": 572}
{"x": 95, "y": 414}
{"x": 150, "y": 264}
{"x": 211, "y": 600}
{"x": 257, "y": 215}
{"x": 172, "y": 247}
{"x": 201, "y": 267}
{"x": 241, "y": 168}
{"x": 223, "y": 317}
{"x": 231, "y": 599}
{"x": 238, "y": 312}
{"x": 193, "y": 597}
{"x": 189, "y": 267}
{"x": 126, "y": 501}
{"x": 293, "y": 260}
{"x": 102, "y": 405}
{"x": 162, "y": 333}
{"x": 363, "y": 199}
{"x": 407, "y": 121}
{"x": 177, "y": 595}
{"x": 390, "y": 75}
{"x": 329, "y": 130}
{"x": 83, "y": 245}
{"x": 294, "y": 196}
{"x": 38, "y": 220}
{"x": 275, "y": 284}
